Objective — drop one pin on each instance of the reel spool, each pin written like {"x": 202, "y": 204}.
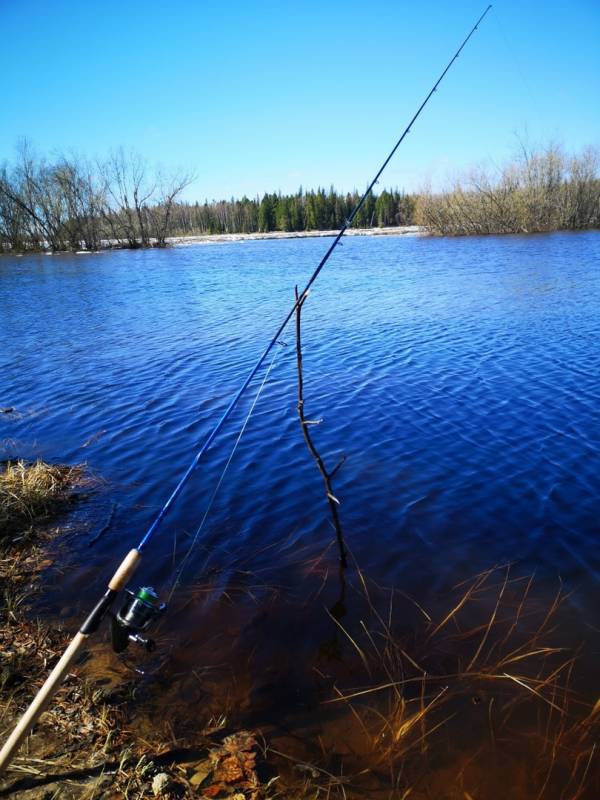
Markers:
{"x": 137, "y": 614}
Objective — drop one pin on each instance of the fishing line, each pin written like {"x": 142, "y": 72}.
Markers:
{"x": 300, "y": 299}
{"x": 142, "y": 608}
{"x": 222, "y": 476}
{"x": 513, "y": 54}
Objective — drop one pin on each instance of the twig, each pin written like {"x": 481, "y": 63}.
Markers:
{"x": 304, "y": 425}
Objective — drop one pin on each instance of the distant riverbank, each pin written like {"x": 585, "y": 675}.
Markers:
{"x": 70, "y": 205}
{"x": 224, "y": 238}
{"x": 227, "y": 238}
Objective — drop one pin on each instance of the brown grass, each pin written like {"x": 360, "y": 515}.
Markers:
{"x": 30, "y": 492}
{"x": 484, "y": 691}
{"x": 475, "y": 700}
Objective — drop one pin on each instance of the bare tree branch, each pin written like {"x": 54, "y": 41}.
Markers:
{"x": 304, "y": 425}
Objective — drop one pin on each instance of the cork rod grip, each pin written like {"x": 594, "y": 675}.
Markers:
{"x": 40, "y": 701}
{"x": 125, "y": 570}
{"x": 56, "y": 677}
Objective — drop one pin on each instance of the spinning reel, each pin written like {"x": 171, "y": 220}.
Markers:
{"x": 138, "y": 613}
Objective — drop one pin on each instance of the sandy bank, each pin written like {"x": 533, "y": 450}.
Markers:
{"x": 224, "y": 238}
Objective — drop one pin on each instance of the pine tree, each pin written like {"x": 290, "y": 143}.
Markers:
{"x": 266, "y": 214}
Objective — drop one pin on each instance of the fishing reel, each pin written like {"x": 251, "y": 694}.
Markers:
{"x": 137, "y": 614}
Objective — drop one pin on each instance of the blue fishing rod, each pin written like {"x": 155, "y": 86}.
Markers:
{"x": 142, "y": 608}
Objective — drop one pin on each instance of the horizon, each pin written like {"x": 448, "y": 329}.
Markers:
{"x": 259, "y": 91}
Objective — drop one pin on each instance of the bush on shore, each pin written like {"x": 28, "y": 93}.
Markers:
{"x": 539, "y": 191}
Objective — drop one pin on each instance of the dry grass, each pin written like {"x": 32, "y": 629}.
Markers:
{"x": 468, "y": 701}
{"x": 475, "y": 700}
{"x": 29, "y": 492}
{"x": 85, "y": 745}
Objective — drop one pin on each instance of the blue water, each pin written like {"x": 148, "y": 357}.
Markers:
{"x": 460, "y": 377}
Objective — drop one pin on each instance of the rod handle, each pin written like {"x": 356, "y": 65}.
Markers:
{"x": 40, "y": 701}
{"x": 125, "y": 570}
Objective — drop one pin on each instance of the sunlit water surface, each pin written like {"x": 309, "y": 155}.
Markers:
{"x": 459, "y": 377}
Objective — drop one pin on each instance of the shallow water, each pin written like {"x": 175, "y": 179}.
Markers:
{"x": 458, "y": 376}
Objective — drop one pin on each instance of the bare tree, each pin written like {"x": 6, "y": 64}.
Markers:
{"x": 169, "y": 189}
{"x": 74, "y": 203}
{"x": 13, "y": 217}
{"x": 129, "y": 190}
{"x": 84, "y": 196}
{"x": 30, "y": 187}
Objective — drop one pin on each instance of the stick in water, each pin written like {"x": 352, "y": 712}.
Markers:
{"x": 132, "y": 559}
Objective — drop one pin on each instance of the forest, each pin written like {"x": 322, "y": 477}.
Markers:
{"x": 318, "y": 210}
{"x": 73, "y": 203}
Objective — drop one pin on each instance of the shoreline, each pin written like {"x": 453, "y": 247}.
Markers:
{"x": 109, "y": 245}
{"x": 227, "y": 238}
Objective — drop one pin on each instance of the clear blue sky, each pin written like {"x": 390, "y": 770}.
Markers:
{"x": 261, "y": 96}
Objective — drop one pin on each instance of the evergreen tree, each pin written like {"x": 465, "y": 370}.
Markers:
{"x": 266, "y": 213}
{"x": 302, "y": 211}
{"x": 283, "y": 219}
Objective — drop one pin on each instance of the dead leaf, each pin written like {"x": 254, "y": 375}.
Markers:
{"x": 241, "y": 741}
{"x": 213, "y": 790}
{"x": 201, "y": 773}
{"x": 229, "y": 770}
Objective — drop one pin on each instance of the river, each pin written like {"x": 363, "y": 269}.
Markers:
{"x": 459, "y": 378}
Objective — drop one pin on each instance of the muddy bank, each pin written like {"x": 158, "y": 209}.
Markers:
{"x": 83, "y": 745}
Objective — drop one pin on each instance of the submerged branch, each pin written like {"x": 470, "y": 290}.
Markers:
{"x": 304, "y": 425}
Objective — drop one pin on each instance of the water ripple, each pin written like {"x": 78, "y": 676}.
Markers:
{"x": 459, "y": 377}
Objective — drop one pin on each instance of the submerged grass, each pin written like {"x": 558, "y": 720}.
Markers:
{"x": 475, "y": 705}
{"x": 31, "y": 491}
{"x": 473, "y": 700}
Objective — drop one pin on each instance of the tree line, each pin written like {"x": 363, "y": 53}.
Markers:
{"x": 539, "y": 190}
{"x": 74, "y": 203}
{"x": 318, "y": 210}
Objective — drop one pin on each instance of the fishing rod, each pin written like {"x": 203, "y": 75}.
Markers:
{"x": 141, "y": 609}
